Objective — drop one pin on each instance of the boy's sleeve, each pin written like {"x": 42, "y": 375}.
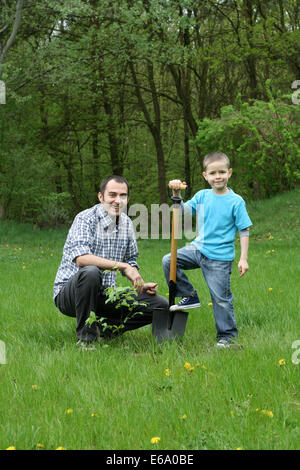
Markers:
{"x": 242, "y": 219}
{"x": 191, "y": 205}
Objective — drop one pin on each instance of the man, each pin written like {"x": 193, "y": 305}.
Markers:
{"x": 101, "y": 241}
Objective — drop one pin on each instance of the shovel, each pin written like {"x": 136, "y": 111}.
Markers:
{"x": 168, "y": 325}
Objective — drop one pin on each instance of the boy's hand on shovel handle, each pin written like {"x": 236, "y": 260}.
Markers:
{"x": 176, "y": 186}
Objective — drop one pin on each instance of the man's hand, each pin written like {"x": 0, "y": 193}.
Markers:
{"x": 134, "y": 276}
{"x": 243, "y": 267}
{"x": 150, "y": 288}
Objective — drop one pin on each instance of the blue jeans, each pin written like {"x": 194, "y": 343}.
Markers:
{"x": 217, "y": 276}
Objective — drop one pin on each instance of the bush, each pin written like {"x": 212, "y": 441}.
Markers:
{"x": 55, "y": 210}
{"x": 262, "y": 141}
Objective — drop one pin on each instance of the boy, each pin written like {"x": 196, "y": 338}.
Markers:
{"x": 221, "y": 213}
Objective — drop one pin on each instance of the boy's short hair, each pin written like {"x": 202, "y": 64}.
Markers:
{"x": 213, "y": 157}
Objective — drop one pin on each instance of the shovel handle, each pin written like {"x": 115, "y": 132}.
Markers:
{"x": 181, "y": 187}
{"x": 173, "y": 266}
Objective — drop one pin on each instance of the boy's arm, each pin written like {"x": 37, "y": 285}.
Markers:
{"x": 243, "y": 263}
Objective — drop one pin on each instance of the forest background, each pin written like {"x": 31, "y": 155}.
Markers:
{"x": 144, "y": 89}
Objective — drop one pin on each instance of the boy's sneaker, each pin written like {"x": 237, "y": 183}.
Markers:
{"x": 223, "y": 343}
{"x": 186, "y": 303}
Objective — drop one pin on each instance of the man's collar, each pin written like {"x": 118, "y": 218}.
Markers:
{"x": 106, "y": 219}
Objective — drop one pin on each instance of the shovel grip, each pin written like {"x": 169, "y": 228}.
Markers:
{"x": 181, "y": 187}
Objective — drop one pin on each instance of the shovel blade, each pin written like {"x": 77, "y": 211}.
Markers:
{"x": 167, "y": 326}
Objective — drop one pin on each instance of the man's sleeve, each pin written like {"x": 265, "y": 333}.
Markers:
{"x": 79, "y": 238}
{"x": 132, "y": 251}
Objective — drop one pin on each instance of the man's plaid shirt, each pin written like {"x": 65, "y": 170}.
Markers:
{"x": 94, "y": 232}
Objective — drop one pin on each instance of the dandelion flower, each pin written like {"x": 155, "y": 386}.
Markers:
{"x": 282, "y": 362}
{"x": 209, "y": 304}
{"x": 23, "y": 267}
{"x": 155, "y": 440}
{"x": 268, "y": 252}
{"x": 40, "y": 446}
{"x": 69, "y": 411}
{"x": 267, "y": 413}
{"x": 270, "y": 289}
{"x": 11, "y": 448}
{"x": 34, "y": 387}
{"x": 239, "y": 448}
{"x": 184, "y": 416}
{"x": 167, "y": 372}
{"x": 94, "y": 415}
{"x": 188, "y": 366}
{"x": 60, "y": 448}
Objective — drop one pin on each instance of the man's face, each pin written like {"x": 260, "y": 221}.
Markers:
{"x": 115, "y": 198}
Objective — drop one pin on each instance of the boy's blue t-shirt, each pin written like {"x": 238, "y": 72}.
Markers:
{"x": 219, "y": 217}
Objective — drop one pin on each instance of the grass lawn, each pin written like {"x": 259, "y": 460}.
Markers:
{"x": 128, "y": 390}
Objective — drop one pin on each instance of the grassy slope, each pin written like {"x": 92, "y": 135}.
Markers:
{"x": 124, "y": 383}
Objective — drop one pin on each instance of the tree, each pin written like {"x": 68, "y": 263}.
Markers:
{"x": 8, "y": 29}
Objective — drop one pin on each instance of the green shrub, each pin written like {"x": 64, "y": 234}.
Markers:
{"x": 262, "y": 141}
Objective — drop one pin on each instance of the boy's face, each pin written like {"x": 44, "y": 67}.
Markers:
{"x": 217, "y": 175}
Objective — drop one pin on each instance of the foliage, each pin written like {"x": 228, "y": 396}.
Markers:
{"x": 262, "y": 140}
{"x": 96, "y": 88}
{"x": 120, "y": 296}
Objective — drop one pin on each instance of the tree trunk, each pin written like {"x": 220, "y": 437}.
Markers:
{"x": 12, "y": 37}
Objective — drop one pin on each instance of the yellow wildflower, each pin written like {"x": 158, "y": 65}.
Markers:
{"x": 188, "y": 366}
{"x": 34, "y": 387}
{"x": 267, "y": 413}
{"x": 11, "y": 448}
{"x": 184, "y": 416}
{"x": 40, "y": 446}
{"x": 167, "y": 372}
{"x": 94, "y": 415}
{"x": 155, "y": 440}
{"x": 209, "y": 304}
{"x": 270, "y": 289}
{"x": 60, "y": 448}
{"x": 23, "y": 267}
{"x": 69, "y": 411}
{"x": 282, "y": 362}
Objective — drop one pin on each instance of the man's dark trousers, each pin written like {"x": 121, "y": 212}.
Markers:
{"x": 83, "y": 293}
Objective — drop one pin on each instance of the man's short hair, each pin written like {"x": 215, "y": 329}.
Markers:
{"x": 214, "y": 157}
{"x": 118, "y": 179}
